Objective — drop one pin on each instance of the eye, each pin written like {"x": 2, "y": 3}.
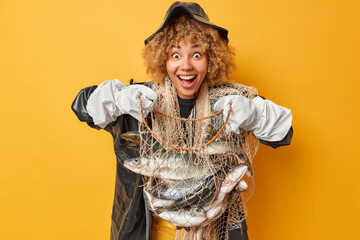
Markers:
{"x": 136, "y": 161}
{"x": 197, "y": 55}
{"x": 198, "y": 209}
{"x": 175, "y": 55}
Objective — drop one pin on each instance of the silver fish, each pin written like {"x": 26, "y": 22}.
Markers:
{"x": 242, "y": 158}
{"x": 220, "y": 145}
{"x": 180, "y": 189}
{"x": 231, "y": 180}
{"x": 194, "y": 216}
{"x": 133, "y": 139}
{"x": 199, "y": 233}
{"x": 174, "y": 166}
{"x": 242, "y": 186}
{"x": 215, "y": 211}
{"x": 187, "y": 192}
{"x": 156, "y": 203}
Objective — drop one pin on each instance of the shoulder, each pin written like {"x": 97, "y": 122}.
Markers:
{"x": 233, "y": 88}
{"x": 149, "y": 84}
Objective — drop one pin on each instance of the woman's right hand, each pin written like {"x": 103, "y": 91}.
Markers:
{"x": 113, "y": 98}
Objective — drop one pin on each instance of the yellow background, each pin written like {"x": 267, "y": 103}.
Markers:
{"x": 57, "y": 174}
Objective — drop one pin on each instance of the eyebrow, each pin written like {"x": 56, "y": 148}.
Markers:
{"x": 194, "y": 46}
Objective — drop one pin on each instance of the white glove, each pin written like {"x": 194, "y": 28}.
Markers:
{"x": 265, "y": 119}
{"x": 113, "y": 98}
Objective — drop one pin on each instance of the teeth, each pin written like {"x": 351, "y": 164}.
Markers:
{"x": 187, "y": 77}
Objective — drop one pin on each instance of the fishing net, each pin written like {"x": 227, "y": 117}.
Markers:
{"x": 197, "y": 175}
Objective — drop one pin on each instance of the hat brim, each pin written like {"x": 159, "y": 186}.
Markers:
{"x": 180, "y": 10}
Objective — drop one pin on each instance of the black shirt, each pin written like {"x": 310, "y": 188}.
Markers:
{"x": 186, "y": 105}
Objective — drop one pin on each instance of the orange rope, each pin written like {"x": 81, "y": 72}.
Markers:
{"x": 185, "y": 119}
{"x": 188, "y": 119}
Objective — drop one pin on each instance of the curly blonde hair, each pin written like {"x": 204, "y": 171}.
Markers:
{"x": 220, "y": 55}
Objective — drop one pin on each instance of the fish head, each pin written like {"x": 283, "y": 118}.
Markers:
{"x": 196, "y": 212}
{"x": 134, "y": 164}
{"x": 234, "y": 175}
{"x": 208, "y": 133}
{"x": 131, "y": 136}
{"x": 134, "y": 139}
{"x": 242, "y": 186}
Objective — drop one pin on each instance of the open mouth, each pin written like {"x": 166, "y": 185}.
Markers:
{"x": 187, "y": 80}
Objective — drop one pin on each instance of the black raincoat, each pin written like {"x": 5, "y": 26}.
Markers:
{"x": 131, "y": 218}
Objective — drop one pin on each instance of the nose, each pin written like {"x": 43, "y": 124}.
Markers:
{"x": 186, "y": 64}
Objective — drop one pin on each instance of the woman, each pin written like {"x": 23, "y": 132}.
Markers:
{"x": 190, "y": 63}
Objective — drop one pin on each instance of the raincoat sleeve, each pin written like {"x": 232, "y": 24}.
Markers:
{"x": 284, "y": 142}
{"x": 79, "y": 108}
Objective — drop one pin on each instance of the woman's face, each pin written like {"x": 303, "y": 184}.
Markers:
{"x": 187, "y": 67}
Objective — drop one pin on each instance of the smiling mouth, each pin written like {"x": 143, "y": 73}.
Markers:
{"x": 187, "y": 81}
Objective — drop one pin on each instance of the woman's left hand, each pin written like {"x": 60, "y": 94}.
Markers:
{"x": 265, "y": 119}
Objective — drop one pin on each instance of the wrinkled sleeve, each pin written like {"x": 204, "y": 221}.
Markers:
{"x": 273, "y": 121}
{"x": 286, "y": 140}
{"x": 79, "y": 107}
{"x": 101, "y": 103}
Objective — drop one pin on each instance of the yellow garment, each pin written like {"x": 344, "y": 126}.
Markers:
{"x": 162, "y": 230}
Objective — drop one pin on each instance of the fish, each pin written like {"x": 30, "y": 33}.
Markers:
{"x": 176, "y": 166}
{"x": 188, "y": 217}
{"x": 133, "y": 139}
{"x": 205, "y": 195}
{"x": 221, "y": 146}
{"x": 242, "y": 186}
{"x": 180, "y": 189}
{"x": 155, "y": 203}
{"x": 243, "y": 158}
{"x": 158, "y": 205}
{"x": 194, "y": 215}
{"x": 199, "y": 233}
{"x": 217, "y": 147}
{"x": 215, "y": 211}
{"x": 232, "y": 178}
{"x": 172, "y": 165}
{"x": 187, "y": 192}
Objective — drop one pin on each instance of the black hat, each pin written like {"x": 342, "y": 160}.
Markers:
{"x": 194, "y": 11}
